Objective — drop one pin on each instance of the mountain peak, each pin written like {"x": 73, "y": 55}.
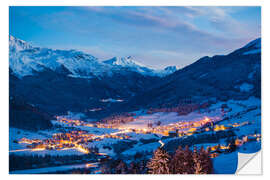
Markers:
{"x": 124, "y": 62}
{"x": 255, "y": 43}
{"x": 17, "y": 44}
{"x": 253, "y": 47}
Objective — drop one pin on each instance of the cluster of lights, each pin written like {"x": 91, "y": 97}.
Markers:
{"x": 183, "y": 128}
{"x": 79, "y": 139}
{"x": 248, "y": 138}
{"x": 71, "y": 140}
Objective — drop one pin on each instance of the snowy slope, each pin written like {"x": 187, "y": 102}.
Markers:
{"x": 26, "y": 60}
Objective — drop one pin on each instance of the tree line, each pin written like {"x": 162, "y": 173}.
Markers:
{"x": 183, "y": 161}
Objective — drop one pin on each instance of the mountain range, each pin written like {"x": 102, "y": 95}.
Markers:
{"x": 236, "y": 75}
{"x": 27, "y": 60}
{"x": 57, "y": 81}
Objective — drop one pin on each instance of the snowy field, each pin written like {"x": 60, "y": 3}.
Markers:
{"x": 225, "y": 163}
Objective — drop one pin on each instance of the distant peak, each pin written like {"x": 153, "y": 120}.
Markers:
{"x": 167, "y": 70}
{"x": 123, "y": 61}
{"x": 255, "y": 43}
{"x": 170, "y": 69}
{"x": 253, "y": 47}
{"x": 11, "y": 38}
{"x": 14, "y": 39}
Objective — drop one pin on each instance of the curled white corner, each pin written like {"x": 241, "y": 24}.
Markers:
{"x": 249, "y": 163}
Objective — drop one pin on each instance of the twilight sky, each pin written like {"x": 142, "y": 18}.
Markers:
{"x": 154, "y": 36}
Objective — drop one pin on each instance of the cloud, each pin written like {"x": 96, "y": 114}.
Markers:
{"x": 165, "y": 19}
{"x": 162, "y": 17}
{"x": 179, "y": 20}
{"x": 165, "y": 34}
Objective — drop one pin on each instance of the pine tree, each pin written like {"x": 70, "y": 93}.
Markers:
{"x": 159, "y": 163}
{"x": 143, "y": 167}
{"x": 184, "y": 161}
{"x": 202, "y": 161}
{"x": 133, "y": 168}
{"x": 177, "y": 164}
{"x": 188, "y": 161}
{"x": 105, "y": 169}
{"x": 197, "y": 162}
{"x": 206, "y": 162}
{"x": 121, "y": 168}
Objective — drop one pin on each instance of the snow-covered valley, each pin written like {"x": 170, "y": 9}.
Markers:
{"x": 72, "y": 136}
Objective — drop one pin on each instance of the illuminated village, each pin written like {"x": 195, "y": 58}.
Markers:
{"x": 134, "y": 136}
{"x": 79, "y": 139}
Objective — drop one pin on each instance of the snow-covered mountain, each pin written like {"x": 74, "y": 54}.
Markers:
{"x": 17, "y": 44}
{"x": 26, "y": 60}
{"x": 131, "y": 64}
{"x": 124, "y": 62}
{"x": 67, "y": 80}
